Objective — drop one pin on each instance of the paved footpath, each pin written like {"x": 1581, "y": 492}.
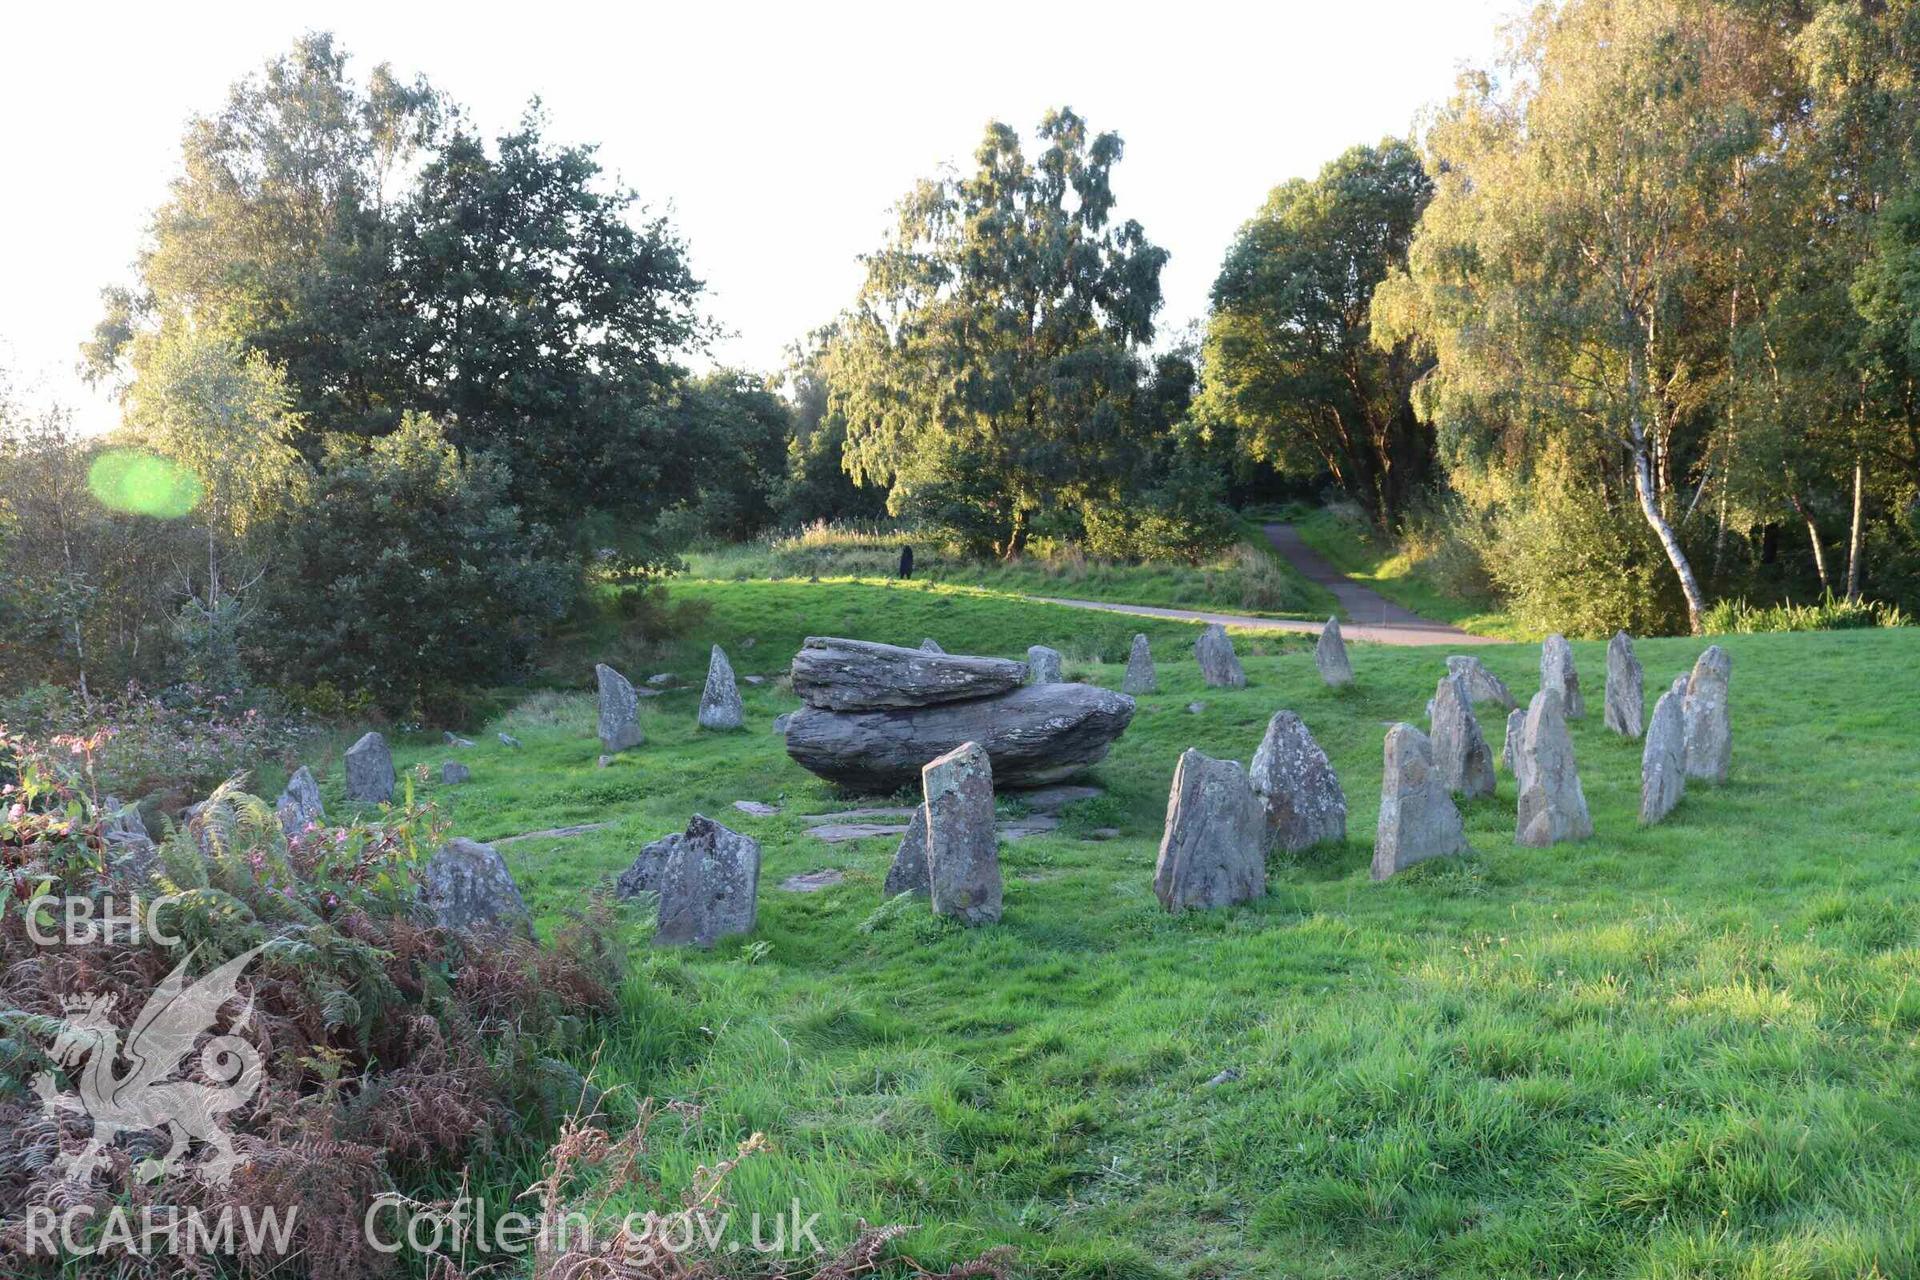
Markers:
{"x": 1373, "y": 617}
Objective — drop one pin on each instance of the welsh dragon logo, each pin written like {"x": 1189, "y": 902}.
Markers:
{"x": 142, "y": 1097}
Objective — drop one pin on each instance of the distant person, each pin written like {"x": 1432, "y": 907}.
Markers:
{"x": 906, "y": 562}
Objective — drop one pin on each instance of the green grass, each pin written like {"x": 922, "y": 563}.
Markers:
{"x": 1683, "y": 1051}
{"x": 1363, "y": 555}
{"x": 1242, "y": 579}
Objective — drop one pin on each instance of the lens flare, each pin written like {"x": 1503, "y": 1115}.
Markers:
{"x": 143, "y": 484}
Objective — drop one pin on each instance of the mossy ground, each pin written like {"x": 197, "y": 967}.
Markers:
{"x": 1679, "y": 1051}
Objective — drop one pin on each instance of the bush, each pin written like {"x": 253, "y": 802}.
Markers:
{"x": 392, "y": 1054}
{"x": 1567, "y": 564}
{"x": 1733, "y": 617}
{"x": 408, "y": 576}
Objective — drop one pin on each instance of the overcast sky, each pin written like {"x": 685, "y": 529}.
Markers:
{"x": 777, "y": 136}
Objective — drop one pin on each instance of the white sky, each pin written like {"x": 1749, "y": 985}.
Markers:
{"x": 777, "y": 135}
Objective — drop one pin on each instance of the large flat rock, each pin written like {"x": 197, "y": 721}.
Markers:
{"x": 858, "y": 675}
{"x": 1034, "y": 735}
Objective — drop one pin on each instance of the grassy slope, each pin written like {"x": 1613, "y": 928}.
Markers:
{"x": 1363, "y": 556}
{"x": 1245, "y": 580}
{"x": 1681, "y": 1051}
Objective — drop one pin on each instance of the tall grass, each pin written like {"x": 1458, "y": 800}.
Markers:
{"x": 1737, "y": 617}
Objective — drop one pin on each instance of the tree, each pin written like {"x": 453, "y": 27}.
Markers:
{"x": 1292, "y": 372}
{"x": 408, "y": 574}
{"x": 817, "y": 485}
{"x": 368, "y": 244}
{"x": 1554, "y": 277}
{"x": 990, "y": 368}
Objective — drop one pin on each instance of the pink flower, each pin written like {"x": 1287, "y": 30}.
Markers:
{"x": 17, "y": 812}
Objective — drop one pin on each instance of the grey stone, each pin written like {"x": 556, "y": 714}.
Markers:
{"x": 854, "y": 675}
{"x": 298, "y": 805}
{"x": 720, "y": 698}
{"x": 756, "y": 808}
{"x": 603, "y": 762}
{"x": 1212, "y": 853}
{"x": 908, "y": 872}
{"x": 1482, "y": 684}
{"x": 1140, "y": 677}
{"x": 891, "y": 814}
{"x": 553, "y": 833}
{"x": 1219, "y": 666}
{"x": 1557, "y": 674}
{"x": 1663, "y": 761}
{"x": 1552, "y": 806}
{"x": 1460, "y": 750}
{"x": 455, "y": 740}
{"x": 370, "y": 770}
{"x": 1626, "y": 688}
{"x": 709, "y": 887}
{"x": 842, "y": 832}
{"x": 452, "y": 773}
{"x": 1035, "y": 734}
{"x": 122, "y": 823}
{"x": 963, "y": 854}
{"x": 813, "y": 881}
{"x": 1510, "y": 745}
{"x": 1418, "y": 819}
{"x": 1330, "y": 655}
{"x": 753, "y": 680}
{"x": 930, "y": 645}
{"x": 1299, "y": 793}
{"x": 619, "y": 711}
{"x": 1709, "y": 723}
{"x": 643, "y": 874}
{"x": 1054, "y": 799}
{"x": 1043, "y": 665}
{"x": 1034, "y": 824}
{"x": 509, "y": 741}
{"x": 466, "y": 885}
{"x": 781, "y": 721}
{"x": 663, "y": 679}
{"x": 1195, "y": 708}
{"x": 1104, "y": 833}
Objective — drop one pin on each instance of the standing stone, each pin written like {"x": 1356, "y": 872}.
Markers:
{"x": 645, "y": 872}
{"x": 1709, "y": 726}
{"x": 619, "y": 712}
{"x": 370, "y": 770}
{"x": 720, "y": 699}
{"x": 1213, "y": 851}
{"x": 1140, "y": 677}
{"x": 963, "y": 853}
{"x": 908, "y": 874}
{"x": 1298, "y": 791}
{"x": 781, "y": 721}
{"x": 452, "y": 773}
{"x": 1460, "y": 750}
{"x": 1557, "y": 674}
{"x": 709, "y": 885}
{"x": 930, "y": 645}
{"x": 1330, "y": 655}
{"x": 1552, "y": 805}
{"x": 300, "y": 803}
{"x": 1219, "y": 666}
{"x": 1043, "y": 665}
{"x": 508, "y": 741}
{"x": 1626, "y": 687}
{"x": 1663, "y": 762}
{"x": 1418, "y": 819}
{"x": 453, "y": 739}
{"x": 1482, "y": 684}
{"x": 1510, "y": 745}
{"x": 466, "y": 885}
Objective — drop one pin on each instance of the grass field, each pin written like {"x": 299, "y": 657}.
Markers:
{"x": 1685, "y": 1051}
{"x": 1246, "y": 578}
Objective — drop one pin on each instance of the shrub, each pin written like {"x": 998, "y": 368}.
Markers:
{"x": 407, "y": 575}
{"x": 393, "y": 1054}
{"x": 1568, "y": 564}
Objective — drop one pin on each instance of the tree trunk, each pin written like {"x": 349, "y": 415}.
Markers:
{"x": 1016, "y": 537}
{"x": 1853, "y": 538}
{"x": 1813, "y": 536}
{"x": 1649, "y": 505}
